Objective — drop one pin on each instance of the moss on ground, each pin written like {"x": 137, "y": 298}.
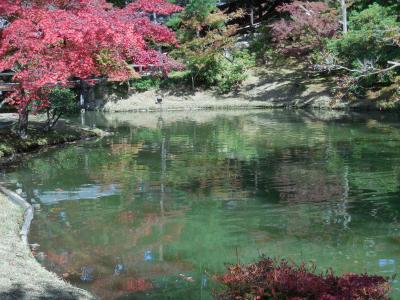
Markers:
{"x": 12, "y": 145}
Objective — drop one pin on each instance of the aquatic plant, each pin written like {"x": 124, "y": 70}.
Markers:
{"x": 280, "y": 279}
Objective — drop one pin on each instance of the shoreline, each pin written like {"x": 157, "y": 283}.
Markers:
{"x": 21, "y": 275}
{"x": 13, "y": 149}
{"x": 27, "y": 211}
{"x": 285, "y": 88}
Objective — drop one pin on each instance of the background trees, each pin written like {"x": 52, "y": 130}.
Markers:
{"x": 367, "y": 51}
{"x": 354, "y": 41}
{"x": 368, "y": 38}
{"x": 208, "y": 49}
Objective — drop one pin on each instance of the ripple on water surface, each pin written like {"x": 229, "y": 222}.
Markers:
{"x": 155, "y": 210}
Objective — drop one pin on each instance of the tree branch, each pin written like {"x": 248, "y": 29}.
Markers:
{"x": 307, "y": 11}
{"x": 363, "y": 73}
{"x": 394, "y": 64}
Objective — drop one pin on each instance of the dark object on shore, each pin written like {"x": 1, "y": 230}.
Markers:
{"x": 159, "y": 100}
{"x": 273, "y": 279}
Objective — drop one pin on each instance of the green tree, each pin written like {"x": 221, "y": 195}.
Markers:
{"x": 61, "y": 101}
{"x": 369, "y": 32}
{"x": 208, "y": 46}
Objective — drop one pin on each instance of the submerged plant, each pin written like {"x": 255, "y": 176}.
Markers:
{"x": 280, "y": 279}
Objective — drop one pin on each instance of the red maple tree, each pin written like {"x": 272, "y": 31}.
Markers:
{"x": 308, "y": 24}
{"x": 50, "y": 42}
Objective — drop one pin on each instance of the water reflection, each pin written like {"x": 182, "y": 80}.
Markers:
{"x": 155, "y": 210}
{"x": 83, "y": 192}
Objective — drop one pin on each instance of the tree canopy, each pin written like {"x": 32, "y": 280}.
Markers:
{"x": 49, "y": 42}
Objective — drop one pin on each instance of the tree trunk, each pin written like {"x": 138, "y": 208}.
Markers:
{"x": 343, "y": 8}
{"x": 251, "y": 14}
{"x": 46, "y": 126}
{"x": 23, "y": 123}
{"x": 52, "y": 119}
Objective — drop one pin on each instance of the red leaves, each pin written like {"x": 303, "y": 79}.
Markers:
{"x": 9, "y": 7}
{"x": 362, "y": 286}
{"x": 309, "y": 23}
{"x": 160, "y": 7}
{"x": 136, "y": 285}
{"x": 282, "y": 280}
{"x": 50, "y": 42}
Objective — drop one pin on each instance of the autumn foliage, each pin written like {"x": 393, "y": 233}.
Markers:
{"x": 270, "y": 279}
{"x": 51, "y": 42}
{"x": 306, "y": 26}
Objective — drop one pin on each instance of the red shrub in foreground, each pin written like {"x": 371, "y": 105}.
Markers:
{"x": 271, "y": 279}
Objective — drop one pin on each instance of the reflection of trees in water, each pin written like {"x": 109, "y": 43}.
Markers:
{"x": 216, "y": 158}
{"x": 297, "y": 183}
{"x": 320, "y": 180}
{"x": 121, "y": 168}
{"x": 97, "y": 237}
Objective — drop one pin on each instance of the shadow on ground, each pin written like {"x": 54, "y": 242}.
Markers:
{"x": 19, "y": 292}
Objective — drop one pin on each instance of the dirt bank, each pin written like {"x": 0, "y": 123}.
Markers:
{"x": 258, "y": 91}
{"x": 264, "y": 88}
{"x": 21, "y": 276}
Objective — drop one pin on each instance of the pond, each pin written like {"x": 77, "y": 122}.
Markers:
{"x": 159, "y": 208}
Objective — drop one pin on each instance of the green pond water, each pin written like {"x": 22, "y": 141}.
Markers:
{"x": 157, "y": 209}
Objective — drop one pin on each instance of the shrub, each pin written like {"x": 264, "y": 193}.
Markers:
{"x": 271, "y": 279}
{"x": 62, "y": 101}
{"x": 208, "y": 46}
{"x": 371, "y": 42}
{"x": 176, "y": 80}
{"x": 211, "y": 61}
{"x": 307, "y": 26}
{"x": 368, "y": 37}
{"x": 232, "y": 72}
{"x": 145, "y": 83}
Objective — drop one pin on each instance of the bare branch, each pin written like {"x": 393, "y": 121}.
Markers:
{"x": 364, "y": 72}
{"x": 307, "y": 11}
{"x": 2, "y": 103}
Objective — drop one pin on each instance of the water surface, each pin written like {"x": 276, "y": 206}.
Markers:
{"x": 156, "y": 210}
